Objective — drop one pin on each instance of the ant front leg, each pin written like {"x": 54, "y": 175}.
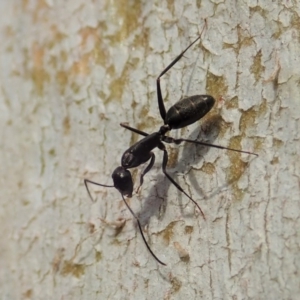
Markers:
{"x": 164, "y": 166}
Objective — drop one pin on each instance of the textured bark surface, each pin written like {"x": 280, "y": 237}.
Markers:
{"x": 70, "y": 73}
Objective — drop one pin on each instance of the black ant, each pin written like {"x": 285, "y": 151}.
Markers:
{"x": 183, "y": 113}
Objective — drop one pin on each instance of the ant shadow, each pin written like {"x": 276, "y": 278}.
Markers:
{"x": 191, "y": 155}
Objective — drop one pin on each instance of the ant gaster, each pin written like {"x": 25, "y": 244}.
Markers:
{"x": 183, "y": 113}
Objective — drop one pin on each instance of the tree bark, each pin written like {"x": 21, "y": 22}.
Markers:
{"x": 71, "y": 72}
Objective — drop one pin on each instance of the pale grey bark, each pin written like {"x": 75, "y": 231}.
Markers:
{"x": 71, "y": 72}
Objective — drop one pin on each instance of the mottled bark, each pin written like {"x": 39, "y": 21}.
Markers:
{"x": 71, "y": 71}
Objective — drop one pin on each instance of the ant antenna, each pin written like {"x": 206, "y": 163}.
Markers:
{"x": 95, "y": 183}
{"x": 131, "y": 211}
{"x": 141, "y": 231}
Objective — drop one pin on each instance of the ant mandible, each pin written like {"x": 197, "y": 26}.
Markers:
{"x": 183, "y": 113}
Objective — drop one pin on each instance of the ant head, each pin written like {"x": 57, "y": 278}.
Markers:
{"x": 123, "y": 181}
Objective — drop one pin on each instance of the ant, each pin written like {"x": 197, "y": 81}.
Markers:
{"x": 183, "y": 113}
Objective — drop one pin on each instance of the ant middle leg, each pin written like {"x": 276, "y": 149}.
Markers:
{"x": 133, "y": 129}
{"x": 164, "y": 166}
{"x": 148, "y": 168}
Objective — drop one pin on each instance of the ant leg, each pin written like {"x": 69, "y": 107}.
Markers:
{"x": 161, "y": 105}
{"x": 134, "y": 129}
{"x": 95, "y": 183}
{"x": 141, "y": 231}
{"x": 147, "y": 170}
{"x": 171, "y": 140}
{"x": 164, "y": 165}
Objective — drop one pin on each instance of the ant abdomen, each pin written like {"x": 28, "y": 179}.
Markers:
{"x": 188, "y": 110}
